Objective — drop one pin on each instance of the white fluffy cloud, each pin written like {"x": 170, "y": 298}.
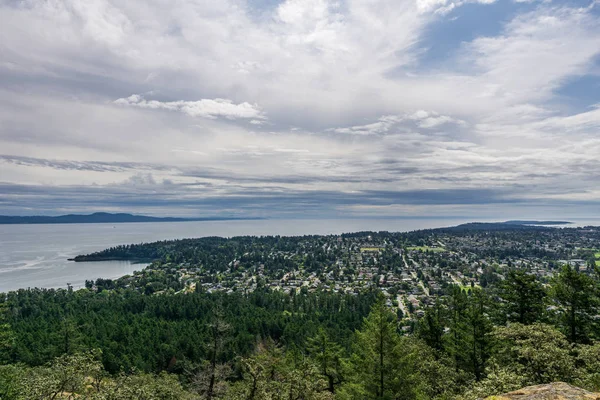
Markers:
{"x": 207, "y": 108}
{"x": 386, "y": 124}
{"x": 445, "y": 6}
{"x": 432, "y": 119}
{"x": 382, "y": 125}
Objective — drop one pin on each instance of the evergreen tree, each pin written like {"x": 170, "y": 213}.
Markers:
{"x": 6, "y": 336}
{"x": 210, "y": 380}
{"x": 468, "y": 342}
{"x": 574, "y": 293}
{"x": 477, "y": 341}
{"x": 522, "y": 297}
{"x": 272, "y": 374}
{"x": 456, "y": 307}
{"x": 327, "y": 354}
{"x": 431, "y": 328}
{"x": 378, "y": 363}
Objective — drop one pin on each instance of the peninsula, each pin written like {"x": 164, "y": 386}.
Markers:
{"x": 102, "y": 217}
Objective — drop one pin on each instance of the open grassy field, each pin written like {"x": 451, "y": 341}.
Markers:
{"x": 426, "y": 248}
{"x": 363, "y": 249}
{"x": 468, "y": 288}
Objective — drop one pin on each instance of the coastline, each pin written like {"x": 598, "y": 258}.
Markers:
{"x": 36, "y": 255}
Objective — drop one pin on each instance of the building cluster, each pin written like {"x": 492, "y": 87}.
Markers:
{"x": 411, "y": 271}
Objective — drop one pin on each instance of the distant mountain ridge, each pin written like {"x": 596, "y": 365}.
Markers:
{"x": 526, "y": 222}
{"x": 102, "y": 217}
{"x": 505, "y": 226}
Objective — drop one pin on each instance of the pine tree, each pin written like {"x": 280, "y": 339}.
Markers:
{"x": 575, "y": 295}
{"x": 523, "y": 298}
{"x": 209, "y": 382}
{"x": 456, "y": 306}
{"x": 6, "y": 336}
{"x": 327, "y": 354}
{"x": 468, "y": 342}
{"x": 477, "y": 345}
{"x": 377, "y": 359}
{"x": 272, "y": 374}
{"x": 431, "y": 328}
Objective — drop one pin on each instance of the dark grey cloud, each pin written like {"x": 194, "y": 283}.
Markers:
{"x": 70, "y": 165}
{"x": 192, "y": 200}
{"x": 204, "y": 173}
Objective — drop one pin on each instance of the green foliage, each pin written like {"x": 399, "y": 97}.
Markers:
{"x": 431, "y": 327}
{"x": 11, "y": 381}
{"x": 328, "y": 356}
{"x": 522, "y": 297}
{"x": 380, "y": 367}
{"x": 67, "y": 374}
{"x": 467, "y": 341}
{"x": 271, "y": 374}
{"x": 575, "y": 295}
{"x": 7, "y": 337}
{"x": 431, "y": 375}
{"x": 588, "y": 362}
{"x": 155, "y": 343}
{"x": 81, "y": 376}
{"x": 497, "y": 380}
{"x": 456, "y": 353}
{"x": 375, "y": 360}
{"x": 477, "y": 325}
{"x": 146, "y": 333}
{"x": 538, "y": 353}
{"x": 163, "y": 386}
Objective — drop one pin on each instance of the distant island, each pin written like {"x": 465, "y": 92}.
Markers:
{"x": 521, "y": 222}
{"x": 103, "y": 218}
{"x": 506, "y": 226}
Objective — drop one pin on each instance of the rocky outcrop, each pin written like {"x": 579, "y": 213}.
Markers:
{"x": 551, "y": 391}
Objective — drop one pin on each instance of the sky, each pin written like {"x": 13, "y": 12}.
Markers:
{"x": 301, "y": 108}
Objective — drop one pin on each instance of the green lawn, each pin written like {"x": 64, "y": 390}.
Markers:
{"x": 371, "y": 248}
{"x": 426, "y": 248}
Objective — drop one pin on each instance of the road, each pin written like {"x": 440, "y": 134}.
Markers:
{"x": 415, "y": 277}
{"x": 401, "y": 306}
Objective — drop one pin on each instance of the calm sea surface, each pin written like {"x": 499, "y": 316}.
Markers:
{"x": 36, "y": 255}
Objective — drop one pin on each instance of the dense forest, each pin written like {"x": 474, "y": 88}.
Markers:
{"x": 318, "y": 345}
{"x": 119, "y": 340}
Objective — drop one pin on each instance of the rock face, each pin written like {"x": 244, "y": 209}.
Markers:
{"x": 551, "y": 391}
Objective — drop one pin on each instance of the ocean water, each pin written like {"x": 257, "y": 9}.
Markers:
{"x": 36, "y": 255}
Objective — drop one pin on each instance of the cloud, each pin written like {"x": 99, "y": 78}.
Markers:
{"x": 207, "y": 108}
{"x": 536, "y": 52}
{"x": 431, "y": 119}
{"x": 382, "y": 125}
{"x": 186, "y": 200}
{"x": 93, "y": 166}
{"x": 140, "y": 179}
{"x": 577, "y": 122}
{"x": 445, "y": 6}
{"x": 332, "y": 106}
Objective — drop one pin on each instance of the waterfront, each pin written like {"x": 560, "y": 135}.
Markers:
{"x": 36, "y": 255}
